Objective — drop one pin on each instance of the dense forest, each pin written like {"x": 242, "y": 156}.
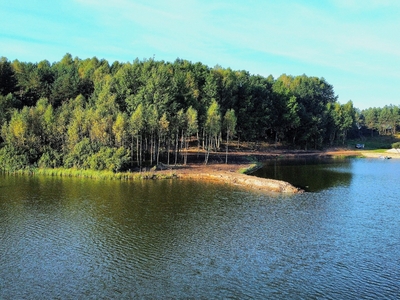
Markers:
{"x": 88, "y": 114}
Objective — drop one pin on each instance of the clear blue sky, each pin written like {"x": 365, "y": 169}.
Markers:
{"x": 353, "y": 44}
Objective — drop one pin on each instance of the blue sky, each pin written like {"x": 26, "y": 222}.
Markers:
{"x": 353, "y": 44}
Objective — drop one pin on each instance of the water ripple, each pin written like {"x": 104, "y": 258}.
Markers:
{"x": 169, "y": 239}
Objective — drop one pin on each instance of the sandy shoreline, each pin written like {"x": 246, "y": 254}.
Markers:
{"x": 218, "y": 171}
{"x": 387, "y": 154}
{"x": 231, "y": 176}
{"x": 233, "y": 173}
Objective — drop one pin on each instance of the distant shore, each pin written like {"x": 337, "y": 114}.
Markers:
{"x": 392, "y": 153}
{"x": 246, "y": 161}
{"x": 233, "y": 173}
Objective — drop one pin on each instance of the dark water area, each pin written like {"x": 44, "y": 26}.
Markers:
{"x": 312, "y": 174}
{"x": 69, "y": 238}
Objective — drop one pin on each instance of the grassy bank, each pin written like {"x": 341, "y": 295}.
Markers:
{"x": 103, "y": 175}
{"x": 251, "y": 168}
{"x": 375, "y": 142}
{"x": 254, "y": 165}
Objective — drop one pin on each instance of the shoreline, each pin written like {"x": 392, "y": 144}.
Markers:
{"x": 243, "y": 163}
{"x": 233, "y": 173}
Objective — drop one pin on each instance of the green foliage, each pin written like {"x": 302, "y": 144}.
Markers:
{"x": 7, "y": 103}
{"x": 396, "y": 145}
{"x": 88, "y": 114}
{"x": 213, "y": 121}
{"x": 79, "y": 156}
{"x": 50, "y": 159}
{"x": 383, "y": 120}
{"x": 110, "y": 159}
{"x": 230, "y": 121}
{"x": 230, "y": 127}
{"x": 8, "y": 82}
{"x": 375, "y": 142}
{"x": 12, "y": 159}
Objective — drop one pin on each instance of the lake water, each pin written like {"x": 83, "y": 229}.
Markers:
{"x": 69, "y": 238}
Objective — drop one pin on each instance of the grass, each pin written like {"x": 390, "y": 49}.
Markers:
{"x": 341, "y": 156}
{"x": 91, "y": 174}
{"x": 252, "y": 167}
{"x": 249, "y": 169}
{"x": 377, "y": 150}
{"x": 378, "y": 142}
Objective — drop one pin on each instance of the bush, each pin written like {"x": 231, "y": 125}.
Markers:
{"x": 110, "y": 159}
{"x": 50, "y": 159}
{"x": 79, "y": 156}
{"x": 396, "y": 145}
{"x": 11, "y": 159}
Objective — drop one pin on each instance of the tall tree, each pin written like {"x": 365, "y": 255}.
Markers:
{"x": 7, "y": 103}
{"x": 152, "y": 125}
{"x": 370, "y": 119}
{"x": 119, "y": 129}
{"x": 8, "y": 82}
{"x": 347, "y": 119}
{"x": 213, "y": 127}
{"x": 163, "y": 127}
{"x": 191, "y": 128}
{"x": 230, "y": 126}
{"x": 178, "y": 123}
{"x": 136, "y": 123}
{"x": 66, "y": 83}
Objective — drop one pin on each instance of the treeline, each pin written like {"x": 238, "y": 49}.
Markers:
{"x": 381, "y": 120}
{"x": 89, "y": 114}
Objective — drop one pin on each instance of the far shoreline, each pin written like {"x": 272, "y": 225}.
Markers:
{"x": 234, "y": 173}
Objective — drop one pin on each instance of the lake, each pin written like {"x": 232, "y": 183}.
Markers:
{"x": 71, "y": 238}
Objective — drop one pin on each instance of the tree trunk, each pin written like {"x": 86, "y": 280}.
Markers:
{"x": 198, "y": 144}
{"x": 176, "y": 147}
{"x": 227, "y": 142}
{"x": 203, "y": 139}
{"x": 155, "y": 148}
{"x": 158, "y": 150}
{"x": 207, "y": 148}
{"x": 186, "y": 151}
{"x": 182, "y": 141}
{"x": 132, "y": 155}
{"x": 140, "y": 149}
{"x": 168, "y": 150}
{"x": 151, "y": 149}
{"x": 137, "y": 151}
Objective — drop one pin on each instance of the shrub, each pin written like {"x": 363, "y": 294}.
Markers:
{"x": 79, "y": 156}
{"x": 50, "y": 159}
{"x": 110, "y": 159}
{"x": 396, "y": 145}
{"x": 11, "y": 159}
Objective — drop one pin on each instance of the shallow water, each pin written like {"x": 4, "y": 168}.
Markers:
{"x": 74, "y": 238}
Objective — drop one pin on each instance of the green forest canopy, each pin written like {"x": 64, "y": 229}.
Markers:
{"x": 89, "y": 114}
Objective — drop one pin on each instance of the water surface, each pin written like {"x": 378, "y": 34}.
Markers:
{"x": 74, "y": 238}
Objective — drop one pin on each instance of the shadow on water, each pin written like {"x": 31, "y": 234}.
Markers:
{"x": 310, "y": 174}
{"x": 64, "y": 238}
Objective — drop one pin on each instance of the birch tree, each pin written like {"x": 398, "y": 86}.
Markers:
{"x": 136, "y": 123}
{"x": 212, "y": 126}
{"x": 230, "y": 127}
{"x": 191, "y": 128}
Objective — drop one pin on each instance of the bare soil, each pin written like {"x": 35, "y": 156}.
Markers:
{"x": 217, "y": 170}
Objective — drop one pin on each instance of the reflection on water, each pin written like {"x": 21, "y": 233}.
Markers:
{"x": 73, "y": 238}
{"x": 310, "y": 174}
